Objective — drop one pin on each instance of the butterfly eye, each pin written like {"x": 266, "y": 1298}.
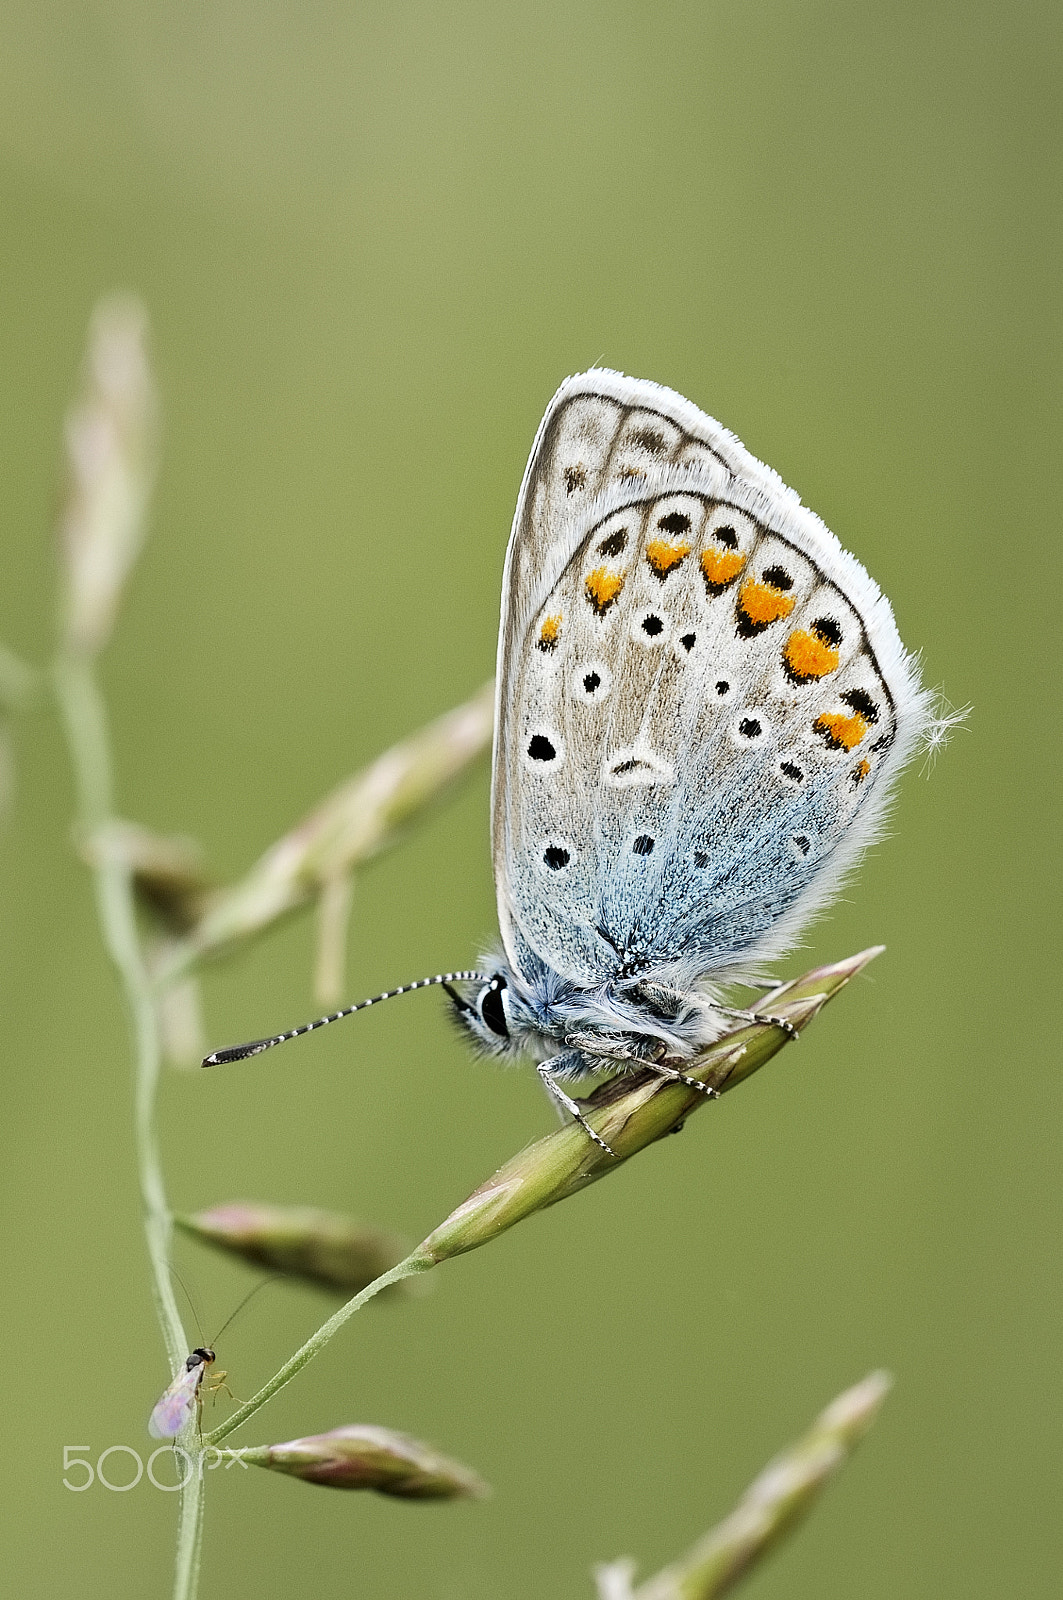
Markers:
{"x": 493, "y": 1007}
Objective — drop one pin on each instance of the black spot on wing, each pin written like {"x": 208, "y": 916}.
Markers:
{"x": 674, "y": 522}
{"x": 613, "y": 543}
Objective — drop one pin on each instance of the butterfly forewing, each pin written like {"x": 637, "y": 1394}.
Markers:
{"x": 693, "y": 715}
{"x": 600, "y": 431}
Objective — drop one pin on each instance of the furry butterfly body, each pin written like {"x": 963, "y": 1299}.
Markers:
{"x": 703, "y": 704}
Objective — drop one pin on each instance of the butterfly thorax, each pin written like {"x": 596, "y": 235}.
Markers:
{"x": 616, "y": 1025}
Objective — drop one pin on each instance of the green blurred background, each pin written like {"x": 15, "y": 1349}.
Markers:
{"x": 372, "y": 239}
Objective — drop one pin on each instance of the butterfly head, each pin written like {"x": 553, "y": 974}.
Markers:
{"x": 491, "y": 1012}
{"x": 510, "y": 1015}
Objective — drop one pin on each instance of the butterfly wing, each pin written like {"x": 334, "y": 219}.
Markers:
{"x": 170, "y": 1412}
{"x": 703, "y": 699}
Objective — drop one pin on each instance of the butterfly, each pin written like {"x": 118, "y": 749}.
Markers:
{"x": 703, "y": 705}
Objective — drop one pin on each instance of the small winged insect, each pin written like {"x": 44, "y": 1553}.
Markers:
{"x": 173, "y": 1407}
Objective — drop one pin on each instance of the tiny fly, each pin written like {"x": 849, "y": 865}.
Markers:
{"x": 172, "y": 1408}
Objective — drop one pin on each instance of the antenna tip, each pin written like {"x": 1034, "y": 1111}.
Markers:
{"x": 238, "y": 1052}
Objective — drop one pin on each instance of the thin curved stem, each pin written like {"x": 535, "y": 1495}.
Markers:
{"x": 407, "y": 1268}
{"x": 189, "y": 1533}
{"x": 85, "y": 721}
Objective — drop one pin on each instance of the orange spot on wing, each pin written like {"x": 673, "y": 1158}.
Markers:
{"x": 860, "y": 771}
{"x": 720, "y": 567}
{"x": 808, "y": 657}
{"x": 761, "y": 604}
{"x": 549, "y": 633}
{"x": 602, "y": 588}
{"x": 841, "y": 732}
{"x": 663, "y": 555}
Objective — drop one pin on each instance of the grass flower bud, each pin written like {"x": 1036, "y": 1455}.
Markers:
{"x": 166, "y": 869}
{"x": 364, "y": 1457}
{"x": 629, "y": 1113}
{"x": 325, "y": 1248}
{"x": 774, "y": 1503}
{"x": 360, "y": 818}
{"x": 111, "y": 440}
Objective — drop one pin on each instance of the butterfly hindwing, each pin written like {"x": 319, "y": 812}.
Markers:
{"x": 697, "y": 724}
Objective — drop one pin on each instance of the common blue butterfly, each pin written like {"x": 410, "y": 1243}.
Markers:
{"x": 703, "y": 705}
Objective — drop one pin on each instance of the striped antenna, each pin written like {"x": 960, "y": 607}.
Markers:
{"x": 240, "y": 1052}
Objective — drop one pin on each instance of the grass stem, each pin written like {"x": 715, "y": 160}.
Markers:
{"x": 85, "y": 722}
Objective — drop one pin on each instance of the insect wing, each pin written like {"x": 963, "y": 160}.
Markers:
{"x": 171, "y": 1410}
{"x": 703, "y": 699}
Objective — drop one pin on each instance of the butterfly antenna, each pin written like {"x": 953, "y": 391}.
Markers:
{"x": 240, "y": 1052}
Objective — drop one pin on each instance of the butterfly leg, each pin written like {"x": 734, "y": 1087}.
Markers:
{"x": 566, "y": 1101}
{"x": 760, "y": 1016}
{"x": 674, "y": 1076}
